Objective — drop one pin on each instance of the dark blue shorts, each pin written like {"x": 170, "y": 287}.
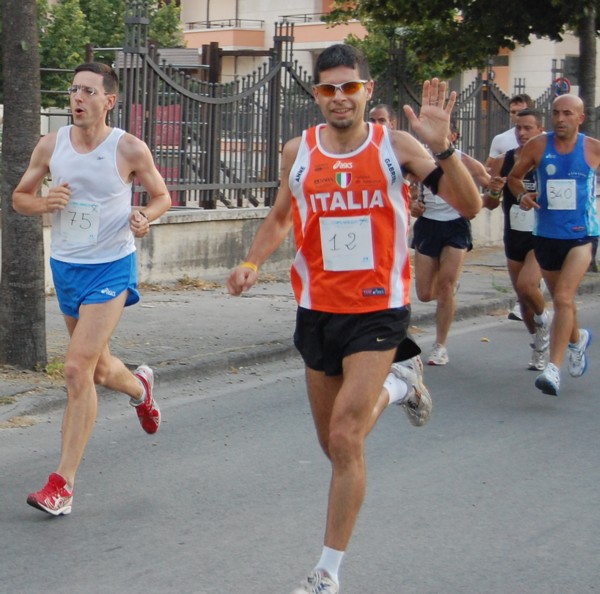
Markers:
{"x": 551, "y": 253}
{"x": 325, "y": 339}
{"x": 78, "y": 284}
{"x": 430, "y": 237}
{"x": 517, "y": 244}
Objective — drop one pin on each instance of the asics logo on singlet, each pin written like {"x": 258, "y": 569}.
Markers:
{"x": 108, "y": 291}
{"x": 343, "y": 165}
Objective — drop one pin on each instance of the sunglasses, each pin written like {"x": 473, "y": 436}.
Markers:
{"x": 348, "y": 88}
{"x": 74, "y": 89}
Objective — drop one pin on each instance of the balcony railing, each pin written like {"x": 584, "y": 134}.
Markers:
{"x": 226, "y": 24}
{"x": 316, "y": 17}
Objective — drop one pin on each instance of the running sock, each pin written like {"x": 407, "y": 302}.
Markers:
{"x": 542, "y": 318}
{"x": 142, "y": 399}
{"x": 397, "y": 389}
{"x": 330, "y": 561}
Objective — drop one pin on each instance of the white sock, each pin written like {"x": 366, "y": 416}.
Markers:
{"x": 141, "y": 399}
{"x": 396, "y": 388}
{"x": 541, "y": 319}
{"x": 330, "y": 561}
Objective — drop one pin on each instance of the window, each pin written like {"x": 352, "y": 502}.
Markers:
{"x": 571, "y": 69}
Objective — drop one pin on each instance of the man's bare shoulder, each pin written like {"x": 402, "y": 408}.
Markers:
{"x": 132, "y": 144}
{"x": 43, "y": 150}
{"x": 290, "y": 152}
{"x": 401, "y": 136}
{"x": 47, "y": 142}
{"x": 292, "y": 145}
{"x": 534, "y": 146}
{"x": 592, "y": 150}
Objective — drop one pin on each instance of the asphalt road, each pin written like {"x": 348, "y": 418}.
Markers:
{"x": 498, "y": 494}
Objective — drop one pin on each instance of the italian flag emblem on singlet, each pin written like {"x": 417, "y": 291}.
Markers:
{"x": 343, "y": 179}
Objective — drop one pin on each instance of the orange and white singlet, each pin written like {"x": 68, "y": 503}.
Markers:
{"x": 350, "y": 225}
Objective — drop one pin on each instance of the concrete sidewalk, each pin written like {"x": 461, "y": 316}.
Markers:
{"x": 199, "y": 330}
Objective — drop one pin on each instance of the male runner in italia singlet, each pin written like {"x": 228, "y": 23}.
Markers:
{"x": 93, "y": 262}
{"x": 565, "y": 228}
{"x": 341, "y": 190}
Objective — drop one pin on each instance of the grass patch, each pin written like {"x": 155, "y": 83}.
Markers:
{"x": 16, "y": 422}
{"x": 55, "y": 369}
{"x": 196, "y": 283}
{"x": 501, "y": 288}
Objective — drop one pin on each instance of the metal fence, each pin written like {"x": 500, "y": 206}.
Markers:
{"x": 219, "y": 145}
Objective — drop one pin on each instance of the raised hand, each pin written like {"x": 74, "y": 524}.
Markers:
{"x": 432, "y": 125}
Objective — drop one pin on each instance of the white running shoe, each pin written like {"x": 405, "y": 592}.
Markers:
{"x": 542, "y": 334}
{"x": 537, "y": 362}
{"x": 417, "y": 403}
{"x": 549, "y": 380}
{"x": 318, "y": 582}
{"x": 577, "y": 354}
{"x": 515, "y": 313}
{"x": 438, "y": 355}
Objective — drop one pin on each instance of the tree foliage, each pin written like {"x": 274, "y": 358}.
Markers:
{"x": 63, "y": 38}
{"x": 462, "y": 34}
{"x": 68, "y": 27}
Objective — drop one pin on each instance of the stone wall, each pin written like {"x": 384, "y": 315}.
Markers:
{"x": 205, "y": 244}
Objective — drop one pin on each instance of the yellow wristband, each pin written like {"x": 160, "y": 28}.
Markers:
{"x": 494, "y": 195}
{"x": 250, "y": 265}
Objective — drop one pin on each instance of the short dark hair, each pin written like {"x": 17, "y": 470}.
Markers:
{"x": 539, "y": 120}
{"x": 341, "y": 54}
{"x": 110, "y": 81}
{"x": 454, "y": 127}
{"x": 390, "y": 110}
{"x": 521, "y": 98}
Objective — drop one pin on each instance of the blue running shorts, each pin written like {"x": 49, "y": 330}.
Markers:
{"x": 430, "y": 236}
{"x": 78, "y": 284}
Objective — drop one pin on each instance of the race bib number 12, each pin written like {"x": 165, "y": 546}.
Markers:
{"x": 347, "y": 243}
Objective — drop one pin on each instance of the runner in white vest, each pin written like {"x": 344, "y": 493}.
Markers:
{"x": 93, "y": 260}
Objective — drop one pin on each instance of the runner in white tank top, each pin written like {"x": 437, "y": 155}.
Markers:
{"x": 92, "y": 167}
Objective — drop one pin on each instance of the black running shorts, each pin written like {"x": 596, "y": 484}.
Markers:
{"x": 325, "y": 339}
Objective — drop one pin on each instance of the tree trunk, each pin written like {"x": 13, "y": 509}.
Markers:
{"x": 22, "y": 296}
{"x": 587, "y": 66}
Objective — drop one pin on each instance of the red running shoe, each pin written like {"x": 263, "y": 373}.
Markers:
{"x": 148, "y": 412}
{"x": 55, "y": 498}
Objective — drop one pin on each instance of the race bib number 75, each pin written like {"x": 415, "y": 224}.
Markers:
{"x": 79, "y": 222}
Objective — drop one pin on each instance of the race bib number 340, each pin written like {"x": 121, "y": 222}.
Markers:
{"x": 562, "y": 194}
{"x": 79, "y": 222}
{"x": 347, "y": 243}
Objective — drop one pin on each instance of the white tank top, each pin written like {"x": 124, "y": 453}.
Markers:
{"x": 94, "y": 226}
{"x": 436, "y": 207}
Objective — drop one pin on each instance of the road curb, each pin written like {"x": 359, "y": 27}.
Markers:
{"x": 223, "y": 362}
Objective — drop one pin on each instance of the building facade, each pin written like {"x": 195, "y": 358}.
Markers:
{"x": 249, "y": 25}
